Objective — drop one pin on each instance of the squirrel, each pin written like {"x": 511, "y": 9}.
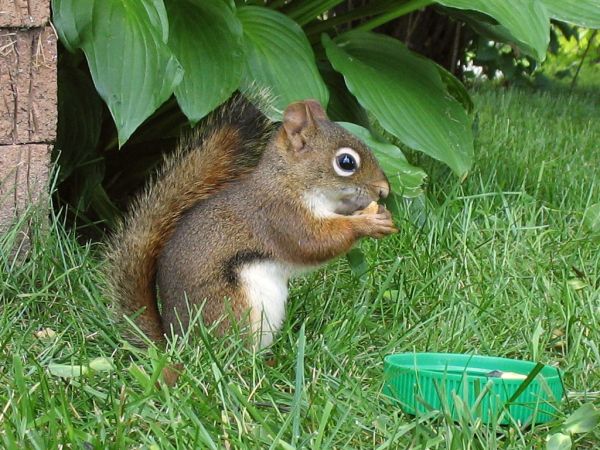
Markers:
{"x": 240, "y": 207}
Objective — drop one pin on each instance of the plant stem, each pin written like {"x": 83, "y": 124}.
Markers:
{"x": 358, "y": 13}
{"x": 590, "y": 41}
{"x": 394, "y": 14}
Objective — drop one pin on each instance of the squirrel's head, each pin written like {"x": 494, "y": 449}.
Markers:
{"x": 337, "y": 173}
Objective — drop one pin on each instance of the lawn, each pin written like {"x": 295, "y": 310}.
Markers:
{"x": 499, "y": 264}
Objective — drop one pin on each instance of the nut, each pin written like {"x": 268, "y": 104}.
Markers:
{"x": 372, "y": 208}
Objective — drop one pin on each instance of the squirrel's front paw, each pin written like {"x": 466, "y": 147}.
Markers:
{"x": 375, "y": 225}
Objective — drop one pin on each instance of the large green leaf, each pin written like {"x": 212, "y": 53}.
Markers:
{"x": 585, "y": 13}
{"x": 406, "y": 95}
{"x": 71, "y": 22}
{"x": 343, "y": 106}
{"x": 206, "y": 37}
{"x": 279, "y": 58}
{"x": 527, "y": 21}
{"x": 133, "y": 69}
{"x": 405, "y": 179}
{"x": 456, "y": 89}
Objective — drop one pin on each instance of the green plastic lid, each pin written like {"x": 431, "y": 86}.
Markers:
{"x": 477, "y": 386}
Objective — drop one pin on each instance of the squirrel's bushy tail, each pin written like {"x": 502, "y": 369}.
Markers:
{"x": 226, "y": 147}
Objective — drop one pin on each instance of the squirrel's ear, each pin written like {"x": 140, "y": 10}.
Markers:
{"x": 315, "y": 110}
{"x": 299, "y": 117}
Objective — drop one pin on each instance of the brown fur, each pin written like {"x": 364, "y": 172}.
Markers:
{"x": 206, "y": 161}
{"x": 214, "y": 209}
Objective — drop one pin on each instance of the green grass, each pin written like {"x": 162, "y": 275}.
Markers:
{"x": 479, "y": 267}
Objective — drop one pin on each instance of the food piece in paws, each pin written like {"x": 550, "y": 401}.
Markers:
{"x": 372, "y": 208}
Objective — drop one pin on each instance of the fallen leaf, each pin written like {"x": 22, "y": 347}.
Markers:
{"x": 102, "y": 364}
{"x": 45, "y": 334}
{"x": 558, "y": 441}
{"x": 67, "y": 370}
{"x": 583, "y": 419}
{"x": 577, "y": 284}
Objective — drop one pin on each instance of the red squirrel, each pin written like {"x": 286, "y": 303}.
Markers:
{"x": 242, "y": 206}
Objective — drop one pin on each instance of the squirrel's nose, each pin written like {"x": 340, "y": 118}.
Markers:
{"x": 383, "y": 188}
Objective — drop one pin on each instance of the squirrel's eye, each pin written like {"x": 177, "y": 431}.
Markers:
{"x": 346, "y": 162}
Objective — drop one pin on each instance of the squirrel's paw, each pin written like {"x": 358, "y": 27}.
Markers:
{"x": 377, "y": 224}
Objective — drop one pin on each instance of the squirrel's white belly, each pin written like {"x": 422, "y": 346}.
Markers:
{"x": 265, "y": 284}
